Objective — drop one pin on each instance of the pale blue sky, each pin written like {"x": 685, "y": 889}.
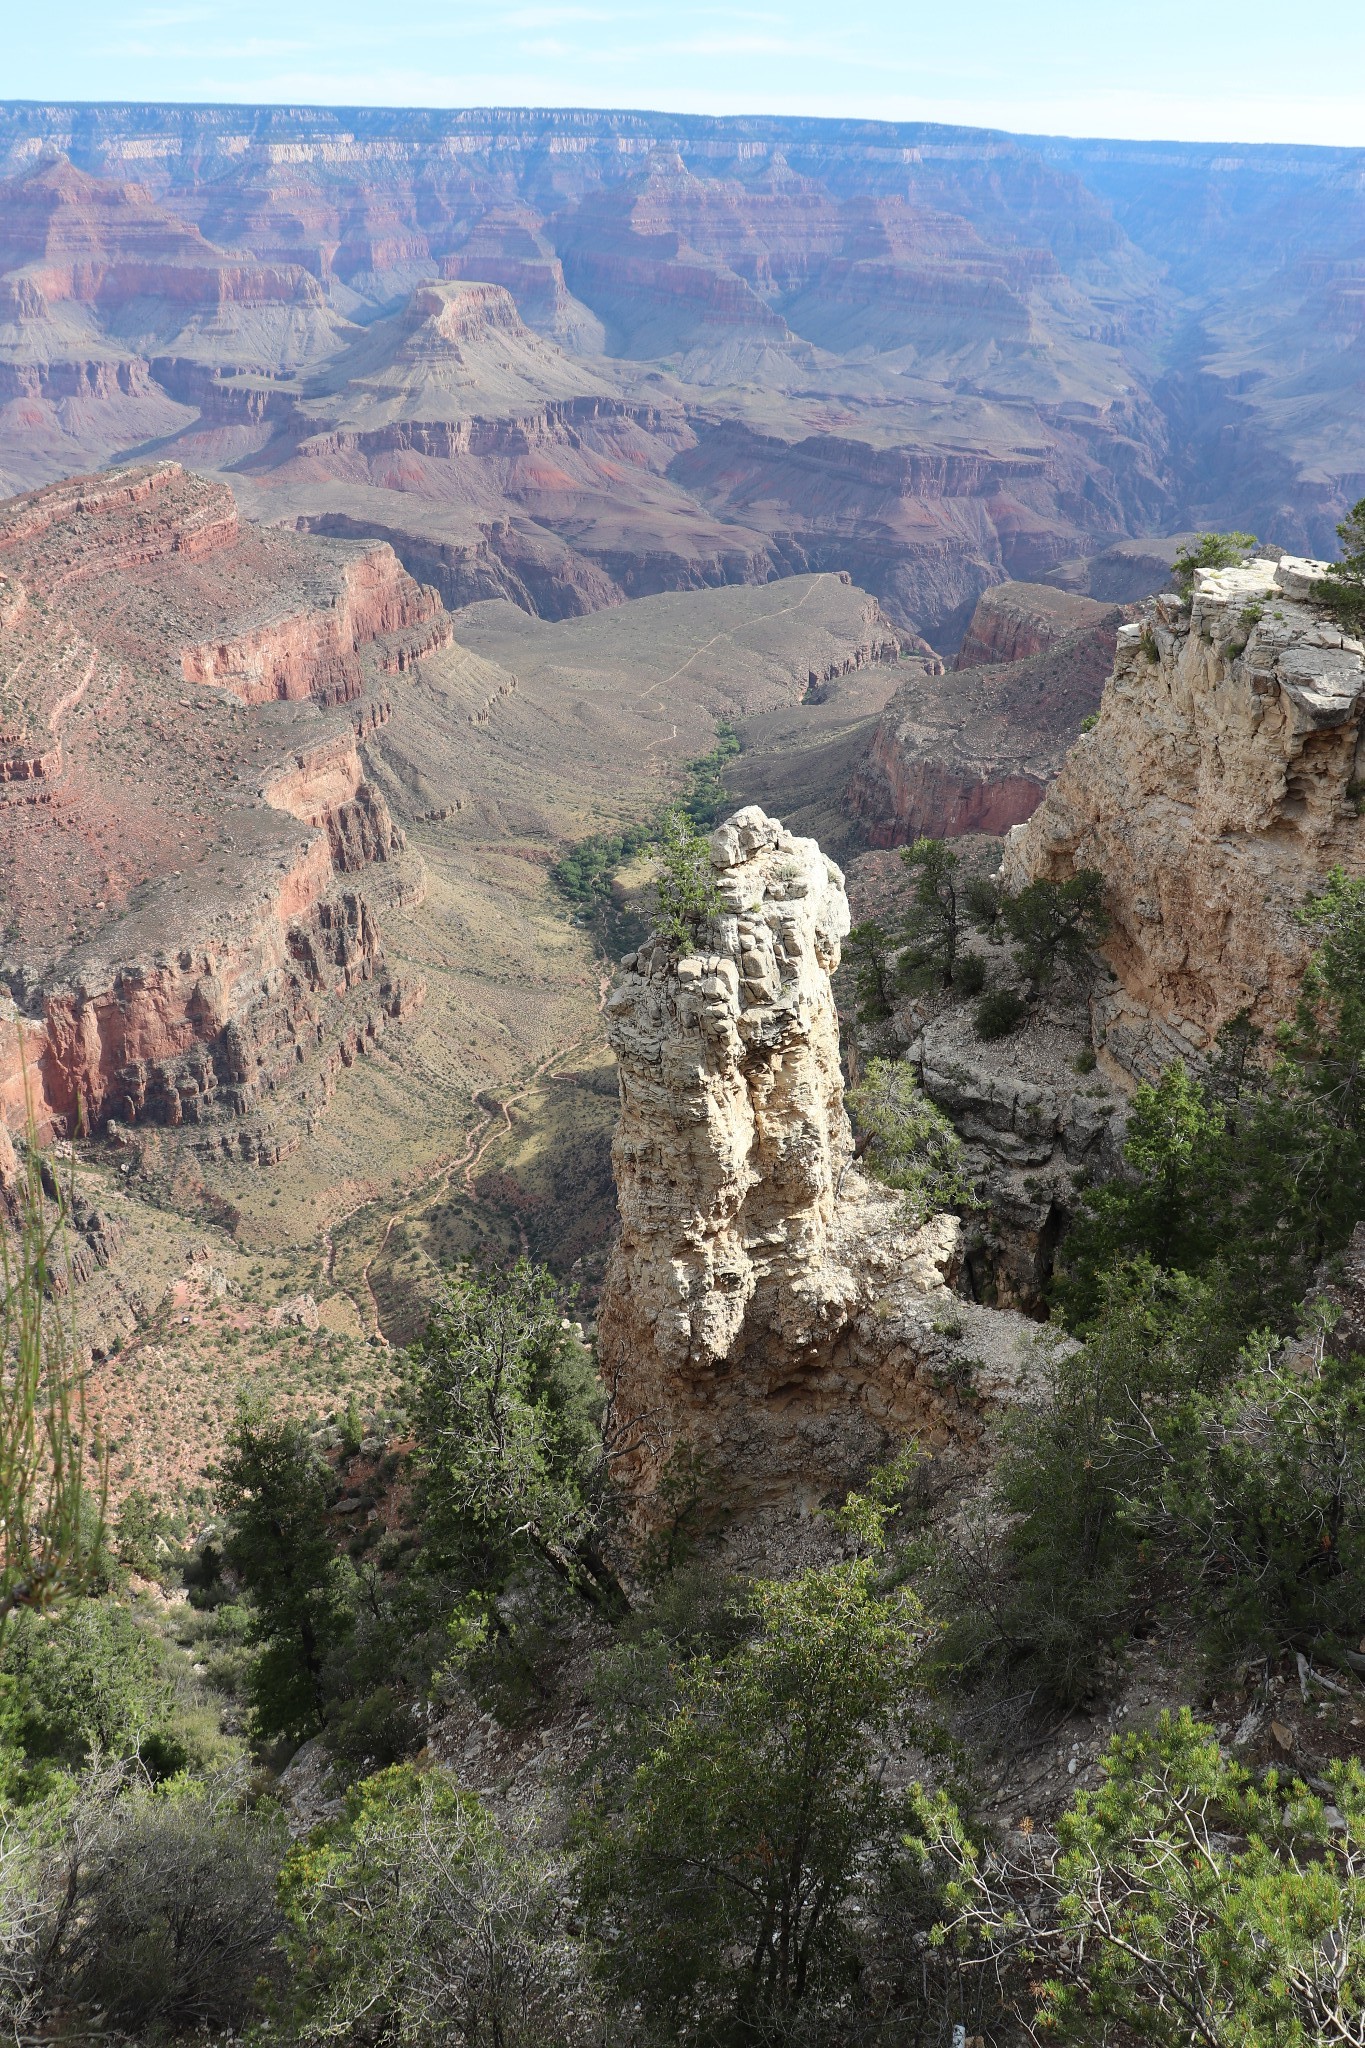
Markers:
{"x": 1256, "y": 71}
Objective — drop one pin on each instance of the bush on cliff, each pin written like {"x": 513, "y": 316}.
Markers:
{"x": 686, "y": 895}
{"x": 931, "y": 930}
{"x": 1182, "y": 1902}
{"x": 740, "y": 1826}
{"x": 513, "y": 1460}
{"x": 412, "y": 1919}
{"x": 1210, "y": 551}
{"x": 1056, "y": 926}
{"x": 868, "y": 958}
{"x": 999, "y": 1014}
{"x": 1343, "y": 591}
{"x": 274, "y": 1488}
{"x": 907, "y": 1141}
{"x": 1251, "y": 1171}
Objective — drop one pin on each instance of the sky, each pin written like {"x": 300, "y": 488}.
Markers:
{"x": 1185, "y": 69}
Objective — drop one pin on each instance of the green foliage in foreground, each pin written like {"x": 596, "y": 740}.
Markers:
{"x": 1164, "y": 1462}
{"x": 740, "y": 1824}
{"x": 1343, "y": 590}
{"x": 414, "y": 1919}
{"x": 1210, "y": 551}
{"x": 274, "y": 1488}
{"x": 909, "y": 1143}
{"x": 508, "y": 1414}
{"x": 1181, "y": 1903}
{"x": 91, "y": 1681}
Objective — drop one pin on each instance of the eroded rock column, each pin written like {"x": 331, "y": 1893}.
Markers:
{"x": 766, "y": 1304}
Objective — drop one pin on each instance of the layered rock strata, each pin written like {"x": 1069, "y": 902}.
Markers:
{"x": 767, "y": 1305}
{"x": 186, "y": 815}
{"x": 1033, "y": 1125}
{"x": 1014, "y": 620}
{"x": 1219, "y": 786}
{"x": 973, "y": 751}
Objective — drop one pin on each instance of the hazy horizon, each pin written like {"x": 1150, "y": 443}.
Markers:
{"x": 1228, "y": 74}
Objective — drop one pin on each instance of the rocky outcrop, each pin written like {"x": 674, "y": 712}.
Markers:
{"x": 975, "y": 751}
{"x": 186, "y": 932}
{"x": 1217, "y": 789}
{"x": 1014, "y": 620}
{"x": 316, "y": 652}
{"x": 1034, "y": 1124}
{"x": 767, "y": 1305}
{"x": 217, "y": 1029}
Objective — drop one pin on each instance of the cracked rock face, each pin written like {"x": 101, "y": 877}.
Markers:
{"x": 766, "y": 1304}
{"x": 1217, "y": 790}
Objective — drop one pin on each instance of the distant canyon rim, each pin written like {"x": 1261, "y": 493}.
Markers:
{"x": 572, "y": 358}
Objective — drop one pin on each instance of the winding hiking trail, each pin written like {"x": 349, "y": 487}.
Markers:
{"x": 495, "y": 1123}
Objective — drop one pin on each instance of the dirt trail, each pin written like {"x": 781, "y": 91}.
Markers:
{"x": 496, "y": 1122}
{"x": 728, "y": 633}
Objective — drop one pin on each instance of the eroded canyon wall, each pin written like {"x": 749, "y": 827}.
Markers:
{"x": 1216, "y": 791}
{"x": 185, "y": 819}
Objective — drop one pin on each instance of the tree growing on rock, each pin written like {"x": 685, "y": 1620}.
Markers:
{"x": 508, "y": 1414}
{"x": 1210, "y": 551}
{"x": 739, "y": 1828}
{"x": 932, "y": 927}
{"x": 1056, "y": 925}
{"x": 1181, "y": 1903}
{"x": 273, "y": 1487}
{"x": 1343, "y": 590}
{"x": 686, "y": 894}
{"x": 907, "y": 1141}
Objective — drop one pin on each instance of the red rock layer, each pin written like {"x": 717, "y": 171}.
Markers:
{"x": 1014, "y": 620}
{"x": 317, "y": 653}
{"x": 224, "y": 959}
{"x": 975, "y": 750}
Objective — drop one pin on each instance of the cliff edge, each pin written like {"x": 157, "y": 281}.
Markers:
{"x": 1220, "y": 784}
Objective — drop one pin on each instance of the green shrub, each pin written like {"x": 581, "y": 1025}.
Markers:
{"x": 51, "y": 1514}
{"x": 413, "y": 1920}
{"x": 983, "y": 901}
{"x": 865, "y": 951}
{"x": 1056, "y": 925}
{"x": 910, "y": 1144}
{"x": 931, "y": 928}
{"x": 507, "y": 1412}
{"x": 687, "y": 897}
{"x": 999, "y": 1014}
{"x": 1046, "y": 1583}
{"x": 1256, "y": 1170}
{"x": 176, "y": 1914}
{"x": 1343, "y": 589}
{"x": 91, "y": 1681}
{"x": 1210, "y": 551}
{"x": 1184, "y": 1901}
{"x": 273, "y": 1490}
{"x": 970, "y": 978}
{"x": 740, "y": 1827}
